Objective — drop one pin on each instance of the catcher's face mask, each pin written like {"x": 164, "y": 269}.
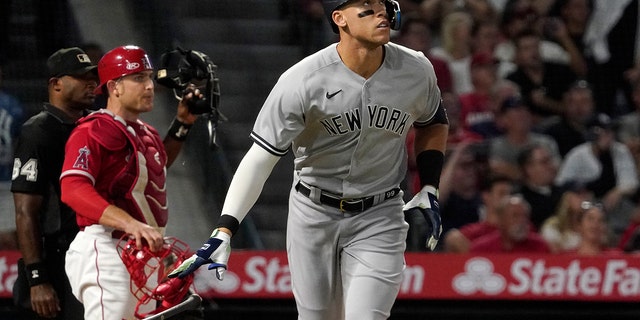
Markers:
{"x": 149, "y": 270}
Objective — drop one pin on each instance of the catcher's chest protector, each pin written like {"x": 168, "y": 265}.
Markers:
{"x": 140, "y": 185}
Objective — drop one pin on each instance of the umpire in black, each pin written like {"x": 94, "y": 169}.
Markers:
{"x": 44, "y": 225}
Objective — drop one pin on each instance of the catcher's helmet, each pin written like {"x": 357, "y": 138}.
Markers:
{"x": 393, "y": 12}
{"x": 122, "y": 61}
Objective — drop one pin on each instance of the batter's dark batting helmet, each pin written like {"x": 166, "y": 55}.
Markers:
{"x": 122, "y": 61}
{"x": 393, "y": 12}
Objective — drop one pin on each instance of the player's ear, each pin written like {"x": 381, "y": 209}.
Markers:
{"x": 338, "y": 18}
{"x": 112, "y": 86}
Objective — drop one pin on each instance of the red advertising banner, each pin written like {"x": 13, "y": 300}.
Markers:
{"x": 265, "y": 274}
{"x": 9, "y": 272}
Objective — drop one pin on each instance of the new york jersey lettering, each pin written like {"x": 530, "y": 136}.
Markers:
{"x": 343, "y": 123}
{"x": 389, "y": 119}
{"x": 380, "y": 117}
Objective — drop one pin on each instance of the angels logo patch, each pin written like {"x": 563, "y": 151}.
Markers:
{"x": 82, "y": 161}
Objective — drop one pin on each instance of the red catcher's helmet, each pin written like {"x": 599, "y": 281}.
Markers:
{"x": 121, "y": 61}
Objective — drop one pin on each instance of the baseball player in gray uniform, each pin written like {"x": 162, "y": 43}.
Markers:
{"x": 344, "y": 112}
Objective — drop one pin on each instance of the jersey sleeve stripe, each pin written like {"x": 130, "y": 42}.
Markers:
{"x": 421, "y": 123}
{"x": 73, "y": 172}
{"x": 264, "y": 144}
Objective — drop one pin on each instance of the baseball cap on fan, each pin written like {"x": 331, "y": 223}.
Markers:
{"x": 70, "y": 62}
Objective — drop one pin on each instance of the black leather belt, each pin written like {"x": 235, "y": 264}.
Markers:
{"x": 349, "y": 205}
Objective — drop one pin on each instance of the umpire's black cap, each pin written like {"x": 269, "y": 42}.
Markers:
{"x": 70, "y": 62}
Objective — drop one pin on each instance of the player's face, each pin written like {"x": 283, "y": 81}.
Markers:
{"x": 78, "y": 90}
{"x": 367, "y": 21}
{"x": 135, "y": 92}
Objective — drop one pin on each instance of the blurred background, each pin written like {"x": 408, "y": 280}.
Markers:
{"x": 253, "y": 41}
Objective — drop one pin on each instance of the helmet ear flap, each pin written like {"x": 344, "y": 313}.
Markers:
{"x": 393, "y": 13}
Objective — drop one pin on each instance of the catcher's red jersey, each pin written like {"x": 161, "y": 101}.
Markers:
{"x": 125, "y": 161}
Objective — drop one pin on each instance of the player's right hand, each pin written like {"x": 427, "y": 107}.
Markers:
{"x": 215, "y": 251}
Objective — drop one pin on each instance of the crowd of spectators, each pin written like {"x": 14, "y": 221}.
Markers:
{"x": 544, "y": 106}
{"x": 543, "y": 99}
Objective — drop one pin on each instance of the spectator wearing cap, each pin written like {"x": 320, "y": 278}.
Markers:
{"x": 606, "y": 167}
{"x": 569, "y": 130}
{"x": 44, "y": 225}
{"x": 514, "y": 118}
{"x": 475, "y": 106}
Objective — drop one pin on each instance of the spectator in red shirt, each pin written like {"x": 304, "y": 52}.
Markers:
{"x": 514, "y": 234}
{"x": 476, "y": 105}
{"x": 495, "y": 188}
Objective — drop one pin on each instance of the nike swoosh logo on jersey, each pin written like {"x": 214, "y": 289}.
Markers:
{"x": 331, "y": 95}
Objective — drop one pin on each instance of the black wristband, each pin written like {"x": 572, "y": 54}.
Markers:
{"x": 178, "y": 130}
{"x": 36, "y": 274}
{"x": 430, "y": 163}
{"x": 229, "y": 222}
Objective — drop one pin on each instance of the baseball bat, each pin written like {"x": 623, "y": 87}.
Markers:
{"x": 192, "y": 302}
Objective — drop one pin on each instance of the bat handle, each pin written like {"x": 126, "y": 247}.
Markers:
{"x": 192, "y": 302}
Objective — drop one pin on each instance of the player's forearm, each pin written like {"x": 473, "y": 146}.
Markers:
{"x": 116, "y": 218}
{"x": 172, "y": 148}
{"x": 28, "y": 226}
{"x": 430, "y": 144}
{"x": 248, "y": 181}
{"x": 433, "y": 137}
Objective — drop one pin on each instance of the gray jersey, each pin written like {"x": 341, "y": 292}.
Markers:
{"x": 348, "y": 133}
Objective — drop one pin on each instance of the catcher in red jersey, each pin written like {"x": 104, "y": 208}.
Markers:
{"x": 114, "y": 178}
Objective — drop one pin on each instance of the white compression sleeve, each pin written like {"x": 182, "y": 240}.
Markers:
{"x": 248, "y": 181}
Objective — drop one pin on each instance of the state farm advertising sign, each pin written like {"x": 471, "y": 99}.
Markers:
{"x": 265, "y": 274}
{"x": 9, "y": 272}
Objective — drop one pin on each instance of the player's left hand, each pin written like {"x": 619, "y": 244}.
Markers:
{"x": 426, "y": 201}
{"x": 215, "y": 251}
